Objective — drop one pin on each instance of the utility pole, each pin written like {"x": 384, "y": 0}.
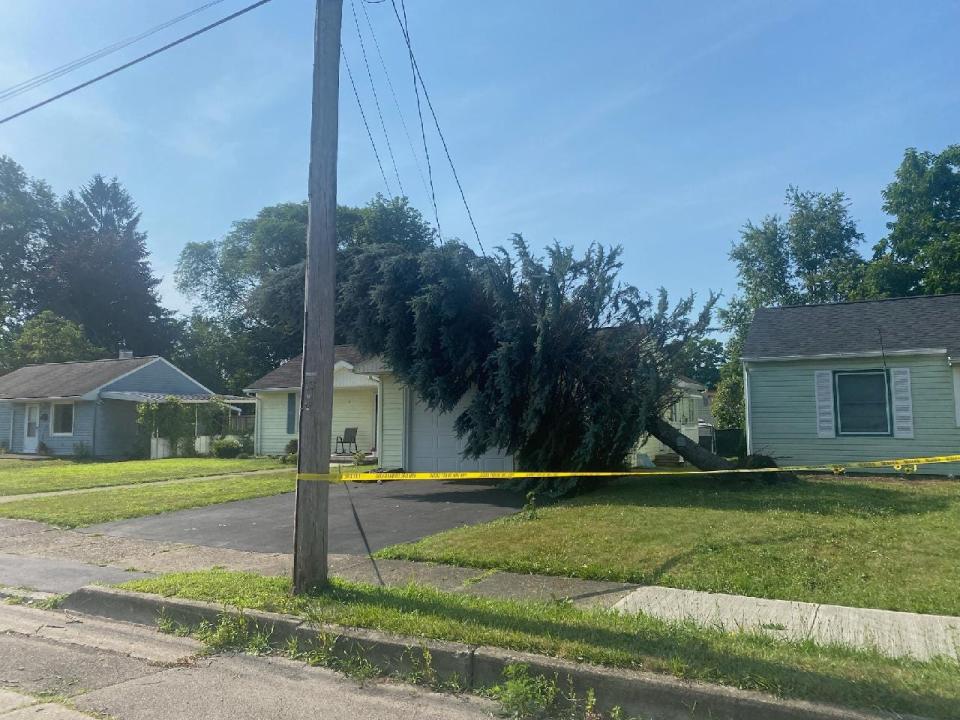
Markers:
{"x": 316, "y": 385}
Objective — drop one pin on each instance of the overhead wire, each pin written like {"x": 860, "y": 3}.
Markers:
{"x": 135, "y": 61}
{"x": 416, "y": 90}
{"x": 419, "y": 77}
{"x": 376, "y": 98}
{"x": 393, "y": 92}
{"x": 60, "y": 71}
{"x": 363, "y": 116}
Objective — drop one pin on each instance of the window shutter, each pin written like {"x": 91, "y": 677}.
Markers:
{"x": 291, "y": 413}
{"x": 902, "y": 402}
{"x": 823, "y": 382}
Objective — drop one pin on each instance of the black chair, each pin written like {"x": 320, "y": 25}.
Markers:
{"x": 348, "y": 438}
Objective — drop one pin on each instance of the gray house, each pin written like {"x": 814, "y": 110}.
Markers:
{"x": 855, "y": 381}
{"x": 92, "y": 404}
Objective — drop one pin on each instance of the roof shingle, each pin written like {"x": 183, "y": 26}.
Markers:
{"x": 929, "y": 322}
{"x": 288, "y": 374}
{"x": 64, "y": 380}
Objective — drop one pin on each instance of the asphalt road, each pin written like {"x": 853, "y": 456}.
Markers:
{"x": 390, "y": 513}
{"x": 129, "y": 672}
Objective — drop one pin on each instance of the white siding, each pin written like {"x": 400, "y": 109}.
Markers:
{"x": 351, "y": 408}
{"x": 393, "y": 420}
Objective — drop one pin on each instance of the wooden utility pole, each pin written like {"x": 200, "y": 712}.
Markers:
{"x": 316, "y": 387}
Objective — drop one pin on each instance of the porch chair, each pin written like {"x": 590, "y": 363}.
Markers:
{"x": 348, "y": 438}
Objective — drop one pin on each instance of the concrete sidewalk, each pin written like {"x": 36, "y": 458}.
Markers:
{"x": 62, "y": 560}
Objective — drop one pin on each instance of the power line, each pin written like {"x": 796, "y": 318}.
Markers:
{"x": 423, "y": 133}
{"x": 393, "y": 92}
{"x": 133, "y": 62}
{"x": 436, "y": 122}
{"x": 376, "y": 99}
{"x": 363, "y": 115}
{"x": 38, "y": 80}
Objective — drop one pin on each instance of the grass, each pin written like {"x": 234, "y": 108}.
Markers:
{"x": 791, "y": 669}
{"x": 119, "y": 503}
{"x": 881, "y": 543}
{"x": 18, "y": 477}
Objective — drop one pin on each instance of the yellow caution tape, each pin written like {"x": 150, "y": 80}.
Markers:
{"x": 899, "y": 464}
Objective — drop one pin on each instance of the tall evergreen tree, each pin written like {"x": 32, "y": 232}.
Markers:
{"x": 96, "y": 270}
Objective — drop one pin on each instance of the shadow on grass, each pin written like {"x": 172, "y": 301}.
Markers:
{"x": 751, "y": 662}
{"x": 822, "y": 497}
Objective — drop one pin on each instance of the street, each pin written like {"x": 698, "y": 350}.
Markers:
{"x": 61, "y": 666}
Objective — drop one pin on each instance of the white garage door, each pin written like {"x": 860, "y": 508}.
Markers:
{"x": 434, "y": 446}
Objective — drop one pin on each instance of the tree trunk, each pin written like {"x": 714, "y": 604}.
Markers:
{"x": 686, "y": 448}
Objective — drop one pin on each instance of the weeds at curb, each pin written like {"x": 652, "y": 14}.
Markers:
{"x": 521, "y": 696}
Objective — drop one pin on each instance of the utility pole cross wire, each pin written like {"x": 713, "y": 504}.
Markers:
{"x": 316, "y": 386}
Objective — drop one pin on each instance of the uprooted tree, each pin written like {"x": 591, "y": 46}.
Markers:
{"x": 552, "y": 360}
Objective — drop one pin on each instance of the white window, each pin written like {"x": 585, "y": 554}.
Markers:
{"x": 61, "y": 421}
{"x": 863, "y": 403}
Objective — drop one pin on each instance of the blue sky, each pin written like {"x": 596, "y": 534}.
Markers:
{"x": 660, "y": 126}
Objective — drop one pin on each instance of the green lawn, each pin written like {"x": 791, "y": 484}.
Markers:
{"x": 791, "y": 669}
{"x": 18, "y": 477}
{"x": 890, "y": 544}
{"x": 99, "y": 506}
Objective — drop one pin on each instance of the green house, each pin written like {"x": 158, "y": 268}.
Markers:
{"x": 855, "y": 381}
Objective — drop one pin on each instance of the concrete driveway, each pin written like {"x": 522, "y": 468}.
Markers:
{"x": 390, "y": 513}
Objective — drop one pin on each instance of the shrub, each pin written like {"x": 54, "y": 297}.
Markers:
{"x": 43, "y": 449}
{"x": 226, "y": 447}
{"x": 290, "y": 459}
{"x": 81, "y": 451}
{"x": 293, "y": 447}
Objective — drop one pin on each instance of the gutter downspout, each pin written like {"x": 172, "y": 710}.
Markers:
{"x": 747, "y": 415}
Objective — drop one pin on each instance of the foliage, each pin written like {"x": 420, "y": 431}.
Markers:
{"x": 170, "y": 419}
{"x": 226, "y": 447}
{"x": 249, "y": 285}
{"x": 921, "y": 253}
{"x": 81, "y": 451}
{"x": 47, "y": 338}
{"x": 82, "y": 257}
{"x": 790, "y": 669}
{"x": 810, "y": 257}
{"x": 554, "y": 361}
{"x": 702, "y": 360}
{"x": 292, "y": 447}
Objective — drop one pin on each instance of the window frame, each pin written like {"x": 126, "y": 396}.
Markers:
{"x": 889, "y": 403}
{"x": 53, "y": 418}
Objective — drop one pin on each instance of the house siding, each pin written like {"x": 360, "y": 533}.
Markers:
{"x": 6, "y": 423}
{"x": 116, "y": 429}
{"x": 783, "y": 414}
{"x": 351, "y": 408}
{"x": 157, "y": 377}
{"x": 83, "y": 428}
{"x": 393, "y": 410}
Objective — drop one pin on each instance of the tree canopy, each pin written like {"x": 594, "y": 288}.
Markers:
{"x": 47, "y": 338}
{"x": 553, "y": 360}
{"x": 249, "y": 284}
{"x": 83, "y": 258}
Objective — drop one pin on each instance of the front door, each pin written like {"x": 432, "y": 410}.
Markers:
{"x": 31, "y": 429}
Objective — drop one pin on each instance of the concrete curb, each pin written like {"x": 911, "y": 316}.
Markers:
{"x": 637, "y": 693}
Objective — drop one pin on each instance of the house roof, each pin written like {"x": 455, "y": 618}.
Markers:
{"x": 66, "y": 380}
{"x": 928, "y": 323}
{"x": 288, "y": 374}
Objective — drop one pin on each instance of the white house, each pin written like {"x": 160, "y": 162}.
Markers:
{"x": 390, "y": 420}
